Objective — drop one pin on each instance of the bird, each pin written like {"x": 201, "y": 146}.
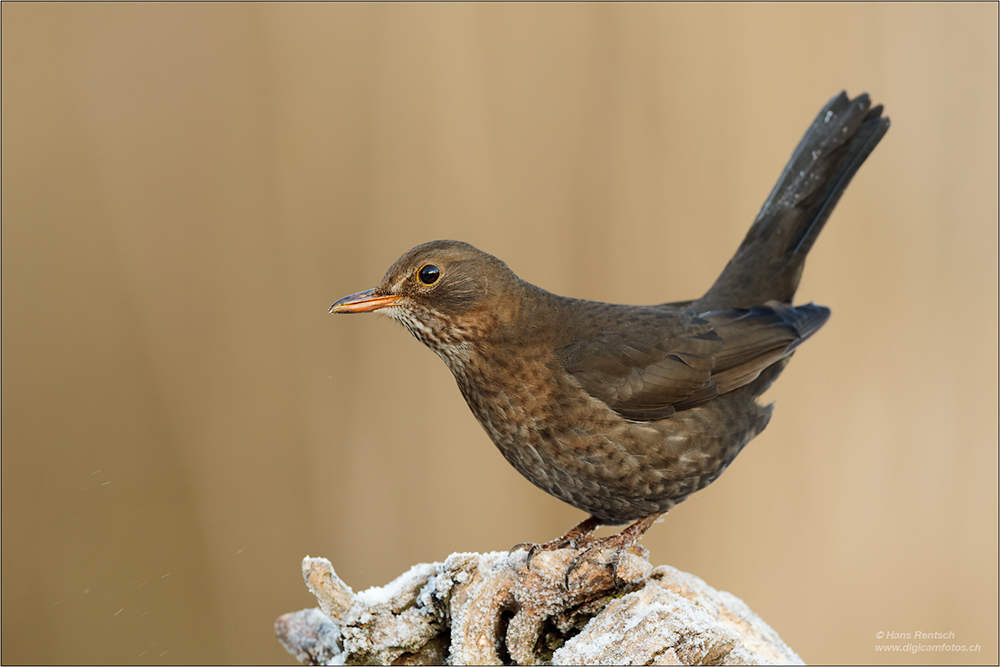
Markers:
{"x": 623, "y": 411}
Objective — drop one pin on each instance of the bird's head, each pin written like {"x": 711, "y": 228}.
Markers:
{"x": 444, "y": 292}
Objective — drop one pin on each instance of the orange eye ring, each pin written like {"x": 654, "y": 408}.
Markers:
{"x": 428, "y": 274}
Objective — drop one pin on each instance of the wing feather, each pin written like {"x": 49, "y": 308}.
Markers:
{"x": 649, "y": 363}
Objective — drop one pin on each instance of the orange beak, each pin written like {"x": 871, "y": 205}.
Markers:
{"x": 363, "y": 302}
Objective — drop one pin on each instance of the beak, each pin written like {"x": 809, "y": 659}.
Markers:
{"x": 363, "y": 302}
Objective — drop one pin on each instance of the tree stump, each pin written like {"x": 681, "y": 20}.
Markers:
{"x": 489, "y": 609}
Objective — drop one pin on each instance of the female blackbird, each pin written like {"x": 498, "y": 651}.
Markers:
{"x": 625, "y": 411}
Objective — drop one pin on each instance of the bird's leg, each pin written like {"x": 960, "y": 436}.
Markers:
{"x": 573, "y": 538}
{"x": 620, "y": 542}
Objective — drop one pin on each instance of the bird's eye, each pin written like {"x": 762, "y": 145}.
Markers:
{"x": 429, "y": 274}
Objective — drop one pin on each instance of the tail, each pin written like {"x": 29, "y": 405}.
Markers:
{"x": 768, "y": 264}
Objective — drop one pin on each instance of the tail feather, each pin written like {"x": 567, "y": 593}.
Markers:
{"x": 768, "y": 264}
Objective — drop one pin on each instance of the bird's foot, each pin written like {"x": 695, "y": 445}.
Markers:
{"x": 581, "y": 536}
{"x": 620, "y": 543}
{"x": 577, "y": 536}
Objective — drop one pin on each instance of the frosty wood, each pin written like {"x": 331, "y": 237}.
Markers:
{"x": 488, "y": 609}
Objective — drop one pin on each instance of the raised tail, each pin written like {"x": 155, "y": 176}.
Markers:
{"x": 768, "y": 264}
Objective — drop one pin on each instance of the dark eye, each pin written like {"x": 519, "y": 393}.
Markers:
{"x": 429, "y": 274}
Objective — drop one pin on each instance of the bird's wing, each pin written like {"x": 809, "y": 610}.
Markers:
{"x": 649, "y": 367}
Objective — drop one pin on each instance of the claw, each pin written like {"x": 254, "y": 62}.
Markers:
{"x": 620, "y": 542}
{"x": 520, "y": 545}
{"x": 573, "y": 564}
{"x": 581, "y": 536}
{"x": 598, "y": 546}
{"x": 532, "y": 548}
{"x": 571, "y": 539}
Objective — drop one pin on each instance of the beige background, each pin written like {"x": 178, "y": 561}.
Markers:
{"x": 186, "y": 189}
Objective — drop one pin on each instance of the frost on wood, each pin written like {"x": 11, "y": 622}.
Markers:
{"x": 482, "y": 609}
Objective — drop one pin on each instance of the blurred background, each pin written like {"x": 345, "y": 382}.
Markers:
{"x": 188, "y": 187}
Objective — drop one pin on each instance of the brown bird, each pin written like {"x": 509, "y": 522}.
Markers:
{"x": 624, "y": 411}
